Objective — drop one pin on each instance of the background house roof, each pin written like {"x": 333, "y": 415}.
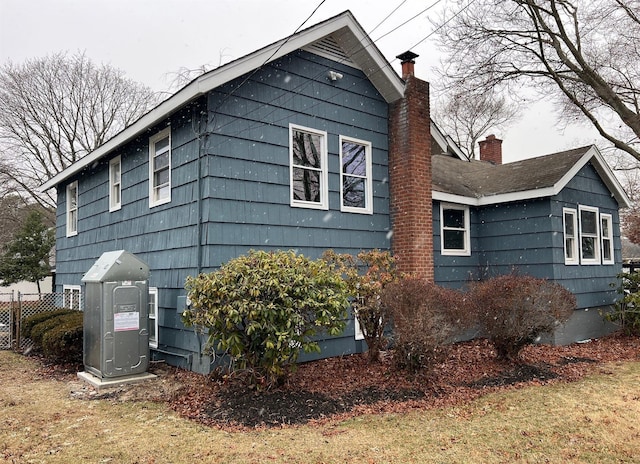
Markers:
{"x": 356, "y": 48}
{"x": 480, "y": 183}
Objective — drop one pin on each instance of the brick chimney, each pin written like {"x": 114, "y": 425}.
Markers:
{"x": 410, "y": 175}
{"x": 491, "y": 149}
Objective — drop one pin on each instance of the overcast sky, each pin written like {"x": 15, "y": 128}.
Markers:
{"x": 151, "y": 39}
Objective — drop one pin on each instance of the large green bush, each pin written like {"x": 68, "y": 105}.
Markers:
{"x": 64, "y": 341}
{"x": 263, "y": 308}
{"x": 626, "y": 312}
{"x": 28, "y": 323}
{"x": 57, "y": 334}
{"x": 515, "y": 310}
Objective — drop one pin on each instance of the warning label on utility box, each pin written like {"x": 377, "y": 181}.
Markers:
{"x": 126, "y": 321}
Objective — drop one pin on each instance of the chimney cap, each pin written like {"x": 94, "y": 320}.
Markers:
{"x": 407, "y": 57}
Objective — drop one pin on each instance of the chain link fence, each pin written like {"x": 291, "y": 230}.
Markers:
{"x": 15, "y": 308}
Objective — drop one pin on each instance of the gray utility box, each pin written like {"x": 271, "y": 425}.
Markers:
{"x": 116, "y": 316}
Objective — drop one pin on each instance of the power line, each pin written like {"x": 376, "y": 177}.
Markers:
{"x": 312, "y": 79}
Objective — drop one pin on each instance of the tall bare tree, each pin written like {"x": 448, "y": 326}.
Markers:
{"x": 55, "y": 110}
{"x": 466, "y": 116}
{"x": 583, "y": 54}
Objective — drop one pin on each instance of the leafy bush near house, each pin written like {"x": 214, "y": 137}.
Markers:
{"x": 64, "y": 341}
{"x": 366, "y": 276}
{"x": 57, "y": 334}
{"x": 626, "y": 312}
{"x": 515, "y": 310}
{"x": 263, "y": 308}
{"x": 424, "y": 317}
{"x": 28, "y": 323}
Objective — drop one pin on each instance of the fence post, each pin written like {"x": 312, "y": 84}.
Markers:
{"x": 18, "y": 317}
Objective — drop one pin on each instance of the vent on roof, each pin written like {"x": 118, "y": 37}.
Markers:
{"x": 329, "y": 48}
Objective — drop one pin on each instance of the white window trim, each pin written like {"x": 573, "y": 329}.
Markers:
{"x": 153, "y": 343}
{"x": 596, "y": 252}
{"x": 113, "y": 186}
{"x": 324, "y": 173}
{"x": 467, "y": 231}
{"x": 152, "y": 140}
{"x": 72, "y": 223}
{"x": 576, "y": 239}
{"x": 74, "y": 291}
{"x": 609, "y": 219}
{"x": 368, "y": 209}
{"x": 358, "y": 333}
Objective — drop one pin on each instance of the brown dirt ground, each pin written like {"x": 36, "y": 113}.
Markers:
{"x": 348, "y": 386}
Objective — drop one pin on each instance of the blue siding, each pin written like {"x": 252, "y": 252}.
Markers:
{"x": 527, "y": 237}
{"x": 242, "y": 193}
{"x": 592, "y": 284}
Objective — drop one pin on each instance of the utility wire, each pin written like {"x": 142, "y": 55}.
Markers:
{"x": 309, "y": 81}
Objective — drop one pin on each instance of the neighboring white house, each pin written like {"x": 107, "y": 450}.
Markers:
{"x": 28, "y": 287}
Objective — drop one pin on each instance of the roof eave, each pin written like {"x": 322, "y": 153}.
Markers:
{"x": 367, "y": 56}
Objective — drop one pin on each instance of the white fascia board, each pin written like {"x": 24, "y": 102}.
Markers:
{"x": 445, "y": 142}
{"x": 600, "y": 165}
{"x": 230, "y": 71}
{"x": 610, "y": 179}
{"x": 452, "y": 198}
{"x": 494, "y": 199}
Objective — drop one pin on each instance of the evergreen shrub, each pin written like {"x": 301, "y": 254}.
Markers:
{"x": 263, "y": 308}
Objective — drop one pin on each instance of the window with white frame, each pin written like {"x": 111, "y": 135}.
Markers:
{"x": 606, "y": 230}
{"x": 589, "y": 235}
{"x": 570, "y": 221}
{"x": 153, "y": 317}
{"x": 71, "y": 297}
{"x": 160, "y": 168}
{"x": 72, "y": 209}
{"x": 309, "y": 175}
{"x": 455, "y": 234}
{"x": 356, "y": 185}
{"x": 115, "y": 190}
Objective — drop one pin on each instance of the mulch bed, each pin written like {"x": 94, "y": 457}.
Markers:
{"x": 347, "y": 386}
{"x": 343, "y": 387}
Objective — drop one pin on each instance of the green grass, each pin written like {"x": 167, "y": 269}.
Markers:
{"x": 594, "y": 420}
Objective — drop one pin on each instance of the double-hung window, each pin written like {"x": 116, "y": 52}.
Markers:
{"x": 606, "y": 229}
{"x": 455, "y": 230}
{"x": 356, "y": 186}
{"x": 570, "y": 236}
{"x": 309, "y": 175}
{"x": 160, "y": 168}
{"x": 115, "y": 175}
{"x": 72, "y": 209}
{"x": 589, "y": 235}
{"x": 153, "y": 317}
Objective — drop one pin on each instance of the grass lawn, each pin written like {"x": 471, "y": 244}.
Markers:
{"x": 594, "y": 420}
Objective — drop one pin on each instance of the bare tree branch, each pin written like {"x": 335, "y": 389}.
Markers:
{"x": 55, "y": 110}
{"x": 584, "y": 55}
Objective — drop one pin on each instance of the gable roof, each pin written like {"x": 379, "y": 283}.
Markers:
{"x": 355, "y": 49}
{"x": 479, "y": 183}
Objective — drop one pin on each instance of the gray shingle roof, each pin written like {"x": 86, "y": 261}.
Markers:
{"x": 477, "y": 179}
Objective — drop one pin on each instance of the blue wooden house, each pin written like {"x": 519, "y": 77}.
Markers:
{"x": 312, "y": 143}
